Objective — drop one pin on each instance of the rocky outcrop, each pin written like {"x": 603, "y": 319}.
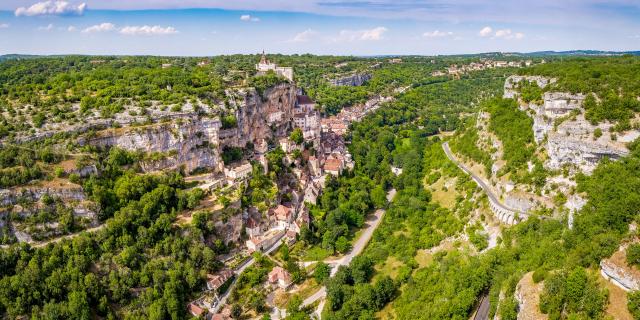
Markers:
{"x": 196, "y": 142}
{"x": 353, "y": 80}
{"x": 570, "y": 138}
{"x": 191, "y": 142}
{"x": 528, "y": 296}
{"x": 620, "y": 275}
{"x": 511, "y": 84}
{"x": 262, "y": 117}
{"x": 584, "y": 153}
{"x": 34, "y": 193}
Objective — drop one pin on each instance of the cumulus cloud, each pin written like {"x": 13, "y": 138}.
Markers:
{"x": 48, "y": 27}
{"x": 148, "y": 30}
{"x": 51, "y": 8}
{"x": 4, "y": 25}
{"x": 246, "y": 17}
{"x": 437, "y": 34}
{"x": 485, "y": 32}
{"x": 72, "y": 28}
{"x": 103, "y": 27}
{"x": 508, "y": 34}
{"x": 374, "y": 34}
{"x": 304, "y": 36}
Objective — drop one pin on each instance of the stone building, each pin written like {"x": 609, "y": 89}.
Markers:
{"x": 265, "y": 66}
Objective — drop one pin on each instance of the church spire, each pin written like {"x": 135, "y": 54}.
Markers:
{"x": 263, "y": 59}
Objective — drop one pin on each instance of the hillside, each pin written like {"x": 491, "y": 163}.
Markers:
{"x": 341, "y": 187}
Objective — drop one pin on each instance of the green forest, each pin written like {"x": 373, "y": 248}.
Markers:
{"x": 428, "y": 258}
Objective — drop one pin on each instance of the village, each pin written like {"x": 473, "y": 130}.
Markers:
{"x": 457, "y": 70}
{"x": 284, "y": 222}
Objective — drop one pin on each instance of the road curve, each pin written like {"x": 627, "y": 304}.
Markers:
{"x": 479, "y": 181}
{"x": 358, "y": 247}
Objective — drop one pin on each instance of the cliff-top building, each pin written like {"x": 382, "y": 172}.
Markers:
{"x": 265, "y": 65}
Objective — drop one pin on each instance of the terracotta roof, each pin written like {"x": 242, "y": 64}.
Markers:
{"x": 195, "y": 310}
{"x": 217, "y": 280}
{"x": 278, "y": 273}
{"x": 282, "y": 212}
{"x": 333, "y": 165}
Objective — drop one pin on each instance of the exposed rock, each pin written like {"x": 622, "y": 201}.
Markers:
{"x": 354, "y": 80}
{"x": 511, "y": 83}
{"x": 570, "y": 138}
{"x": 34, "y": 193}
{"x": 196, "y": 142}
{"x": 189, "y": 144}
{"x": 528, "y": 296}
{"x": 616, "y": 270}
{"x": 584, "y": 153}
{"x": 518, "y": 202}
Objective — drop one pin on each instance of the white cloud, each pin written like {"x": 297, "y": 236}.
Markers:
{"x": 485, "y": 32}
{"x": 246, "y": 17}
{"x": 437, "y": 34}
{"x": 51, "y": 8}
{"x": 148, "y": 30}
{"x": 4, "y": 25}
{"x": 72, "y": 28}
{"x": 46, "y": 28}
{"x": 304, "y": 36}
{"x": 103, "y": 27}
{"x": 508, "y": 34}
{"x": 374, "y": 34}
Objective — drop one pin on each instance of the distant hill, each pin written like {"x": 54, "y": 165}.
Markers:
{"x": 17, "y": 56}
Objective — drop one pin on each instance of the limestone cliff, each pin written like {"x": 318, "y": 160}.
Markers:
{"x": 570, "y": 138}
{"x": 191, "y": 142}
{"x": 616, "y": 270}
{"x": 261, "y": 117}
{"x": 195, "y": 141}
{"x": 354, "y": 80}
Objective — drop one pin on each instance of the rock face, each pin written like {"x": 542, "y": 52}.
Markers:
{"x": 354, "y": 80}
{"x": 511, "y": 83}
{"x": 196, "y": 142}
{"x": 528, "y": 296}
{"x": 570, "y": 138}
{"x": 261, "y": 117}
{"x": 191, "y": 143}
{"x": 619, "y": 275}
{"x": 34, "y": 193}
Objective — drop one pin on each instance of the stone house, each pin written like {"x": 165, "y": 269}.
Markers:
{"x": 238, "y": 172}
{"x": 265, "y": 241}
{"x": 252, "y": 228}
{"x": 280, "y": 277}
{"x": 282, "y": 216}
{"x": 195, "y": 310}
{"x": 215, "y": 282}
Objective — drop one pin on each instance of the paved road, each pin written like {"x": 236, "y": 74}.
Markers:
{"x": 358, "y": 247}
{"x": 478, "y": 180}
{"x": 483, "y": 309}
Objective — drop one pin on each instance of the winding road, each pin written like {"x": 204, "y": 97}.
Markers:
{"x": 358, "y": 247}
{"x": 479, "y": 181}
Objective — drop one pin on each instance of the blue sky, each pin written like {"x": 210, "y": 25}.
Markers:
{"x": 350, "y": 27}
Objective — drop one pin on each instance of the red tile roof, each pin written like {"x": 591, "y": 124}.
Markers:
{"x": 195, "y": 310}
